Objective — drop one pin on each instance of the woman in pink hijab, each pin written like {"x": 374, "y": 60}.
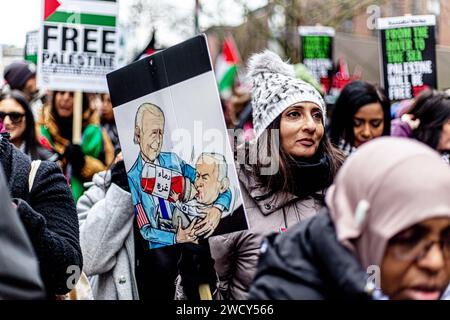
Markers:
{"x": 385, "y": 232}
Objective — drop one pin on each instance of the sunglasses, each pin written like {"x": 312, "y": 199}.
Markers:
{"x": 15, "y": 117}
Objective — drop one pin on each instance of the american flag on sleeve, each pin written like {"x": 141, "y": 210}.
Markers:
{"x": 141, "y": 216}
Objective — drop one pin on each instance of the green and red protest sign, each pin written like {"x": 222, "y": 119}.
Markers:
{"x": 317, "y": 51}
{"x": 408, "y": 55}
{"x": 78, "y": 44}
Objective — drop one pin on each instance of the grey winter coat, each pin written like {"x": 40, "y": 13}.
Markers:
{"x": 236, "y": 254}
{"x": 105, "y": 214}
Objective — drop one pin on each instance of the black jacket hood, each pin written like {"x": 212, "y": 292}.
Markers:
{"x": 308, "y": 262}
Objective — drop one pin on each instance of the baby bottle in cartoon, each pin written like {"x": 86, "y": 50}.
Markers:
{"x": 162, "y": 182}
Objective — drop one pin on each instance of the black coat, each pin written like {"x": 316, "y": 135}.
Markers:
{"x": 308, "y": 262}
{"x": 49, "y": 215}
{"x": 19, "y": 270}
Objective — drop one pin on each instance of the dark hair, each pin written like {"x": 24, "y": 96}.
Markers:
{"x": 53, "y": 102}
{"x": 354, "y": 96}
{"x": 433, "y": 109}
{"x": 65, "y": 124}
{"x": 29, "y": 135}
{"x": 282, "y": 179}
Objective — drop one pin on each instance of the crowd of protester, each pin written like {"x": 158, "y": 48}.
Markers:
{"x": 351, "y": 192}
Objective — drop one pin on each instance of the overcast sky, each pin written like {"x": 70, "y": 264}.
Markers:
{"x": 20, "y": 16}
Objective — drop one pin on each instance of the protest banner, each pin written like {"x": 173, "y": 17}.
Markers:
{"x": 407, "y": 55}
{"x": 175, "y": 146}
{"x": 317, "y": 51}
{"x": 31, "y": 46}
{"x": 78, "y": 44}
{"x": 77, "y": 48}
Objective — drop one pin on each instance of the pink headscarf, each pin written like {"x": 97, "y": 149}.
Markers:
{"x": 387, "y": 186}
{"x": 2, "y": 128}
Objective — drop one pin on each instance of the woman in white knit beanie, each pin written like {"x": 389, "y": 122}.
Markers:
{"x": 287, "y": 168}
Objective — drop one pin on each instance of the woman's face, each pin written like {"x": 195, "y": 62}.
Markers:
{"x": 107, "y": 109}
{"x": 301, "y": 129}
{"x": 416, "y": 263}
{"x": 368, "y": 123}
{"x": 444, "y": 142}
{"x": 64, "y": 104}
{"x": 14, "y": 121}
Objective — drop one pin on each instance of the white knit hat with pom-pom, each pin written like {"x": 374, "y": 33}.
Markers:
{"x": 275, "y": 88}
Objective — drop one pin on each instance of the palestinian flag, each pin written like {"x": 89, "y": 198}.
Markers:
{"x": 31, "y": 46}
{"x": 149, "y": 49}
{"x": 226, "y": 67}
{"x": 85, "y": 12}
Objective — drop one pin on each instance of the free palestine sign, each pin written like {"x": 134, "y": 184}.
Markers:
{"x": 78, "y": 44}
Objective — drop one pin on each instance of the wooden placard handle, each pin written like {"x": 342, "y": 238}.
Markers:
{"x": 77, "y": 117}
{"x": 205, "y": 291}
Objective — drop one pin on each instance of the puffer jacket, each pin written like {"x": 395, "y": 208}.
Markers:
{"x": 236, "y": 254}
{"x": 105, "y": 214}
{"x": 308, "y": 262}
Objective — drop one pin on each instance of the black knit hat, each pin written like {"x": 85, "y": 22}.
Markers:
{"x": 17, "y": 74}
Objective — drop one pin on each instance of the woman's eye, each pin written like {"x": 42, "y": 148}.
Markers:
{"x": 317, "y": 115}
{"x": 357, "y": 122}
{"x": 446, "y": 236}
{"x": 375, "y": 123}
{"x": 293, "y": 114}
{"x": 409, "y": 237}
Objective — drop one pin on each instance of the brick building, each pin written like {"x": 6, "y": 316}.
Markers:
{"x": 360, "y": 25}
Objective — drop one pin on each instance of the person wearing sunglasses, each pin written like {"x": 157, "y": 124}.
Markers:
{"x": 384, "y": 233}
{"x": 17, "y": 119}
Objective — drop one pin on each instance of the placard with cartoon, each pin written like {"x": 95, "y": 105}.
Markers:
{"x": 175, "y": 146}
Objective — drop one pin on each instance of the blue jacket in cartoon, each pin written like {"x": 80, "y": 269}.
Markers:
{"x": 152, "y": 207}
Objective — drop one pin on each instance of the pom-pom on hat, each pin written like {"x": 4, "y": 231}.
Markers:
{"x": 275, "y": 88}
